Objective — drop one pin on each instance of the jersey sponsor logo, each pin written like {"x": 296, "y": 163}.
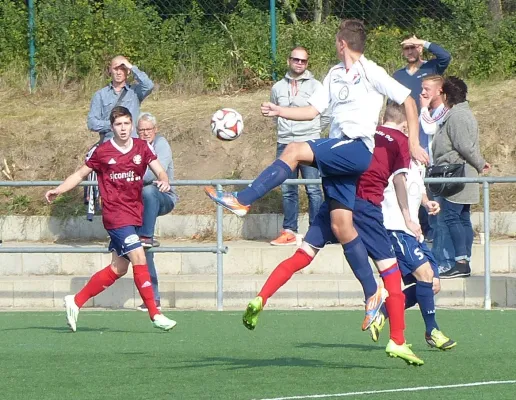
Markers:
{"x": 131, "y": 239}
{"x": 128, "y": 176}
{"x": 112, "y": 161}
{"x": 137, "y": 159}
{"x": 386, "y": 136}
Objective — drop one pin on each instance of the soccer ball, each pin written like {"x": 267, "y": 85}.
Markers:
{"x": 227, "y": 124}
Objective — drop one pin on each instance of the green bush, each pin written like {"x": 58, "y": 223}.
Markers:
{"x": 76, "y": 38}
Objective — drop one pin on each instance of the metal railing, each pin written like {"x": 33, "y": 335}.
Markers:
{"x": 220, "y": 249}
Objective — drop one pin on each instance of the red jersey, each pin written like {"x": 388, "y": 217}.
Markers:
{"x": 390, "y": 156}
{"x": 120, "y": 176}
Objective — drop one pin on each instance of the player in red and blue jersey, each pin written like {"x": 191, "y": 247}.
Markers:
{"x": 120, "y": 164}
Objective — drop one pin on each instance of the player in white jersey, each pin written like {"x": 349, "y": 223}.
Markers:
{"x": 417, "y": 264}
{"x": 354, "y": 91}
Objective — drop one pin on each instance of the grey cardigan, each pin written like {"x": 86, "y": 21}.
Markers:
{"x": 456, "y": 141}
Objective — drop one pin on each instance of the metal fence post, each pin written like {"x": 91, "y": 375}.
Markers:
{"x": 32, "y": 47}
{"x": 487, "y": 255}
{"x": 272, "y": 12}
{"x": 220, "y": 256}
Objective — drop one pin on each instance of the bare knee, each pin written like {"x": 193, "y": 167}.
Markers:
{"x": 119, "y": 265}
{"x": 424, "y": 273}
{"x": 296, "y": 153}
{"x": 342, "y": 225}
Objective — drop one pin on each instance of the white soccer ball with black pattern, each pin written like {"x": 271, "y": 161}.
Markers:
{"x": 227, "y": 124}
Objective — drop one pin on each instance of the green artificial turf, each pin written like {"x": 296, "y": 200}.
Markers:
{"x": 210, "y": 355}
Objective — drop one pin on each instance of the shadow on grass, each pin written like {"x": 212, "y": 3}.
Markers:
{"x": 65, "y": 329}
{"x": 243, "y": 363}
{"x": 362, "y": 347}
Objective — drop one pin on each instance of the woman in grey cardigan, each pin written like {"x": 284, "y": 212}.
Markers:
{"x": 457, "y": 141}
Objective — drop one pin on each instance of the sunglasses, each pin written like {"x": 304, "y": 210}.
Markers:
{"x": 299, "y": 60}
{"x": 409, "y": 47}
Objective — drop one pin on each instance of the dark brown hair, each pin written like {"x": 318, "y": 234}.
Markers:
{"x": 353, "y": 32}
{"x": 118, "y": 112}
{"x": 455, "y": 90}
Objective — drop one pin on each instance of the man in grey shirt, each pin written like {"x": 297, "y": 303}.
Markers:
{"x": 118, "y": 93}
{"x": 294, "y": 90}
{"x": 155, "y": 203}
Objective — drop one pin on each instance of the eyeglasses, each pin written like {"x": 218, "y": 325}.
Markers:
{"x": 145, "y": 130}
{"x": 409, "y": 48}
{"x": 299, "y": 60}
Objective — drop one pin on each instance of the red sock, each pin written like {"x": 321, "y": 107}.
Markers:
{"x": 142, "y": 281}
{"x": 97, "y": 283}
{"x": 395, "y": 303}
{"x": 283, "y": 273}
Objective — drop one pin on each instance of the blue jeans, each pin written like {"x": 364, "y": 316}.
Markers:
{"x": 458, "y": 219}
{"x": 291, "y": 194}
{"x": 155, "y": 204}
{"x": 442, "y": 247}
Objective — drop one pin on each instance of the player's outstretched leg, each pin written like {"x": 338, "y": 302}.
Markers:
{"x": 281, "y": 274}
{"x": 271, "y": 177}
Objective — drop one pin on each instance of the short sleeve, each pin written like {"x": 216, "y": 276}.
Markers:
{"x": 93, "y": 158}
{"x": 320, "y": 99}
{"x": 384, "y": 83}
{"x": 150, "y": 153}
{"x": 402, "y": 162}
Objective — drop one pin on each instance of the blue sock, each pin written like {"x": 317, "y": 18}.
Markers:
{"x": 425, "y": 299}
{"x": 272, "y": 176}
{"x": 356, "y": 254}
{"x": 410, "y": 296}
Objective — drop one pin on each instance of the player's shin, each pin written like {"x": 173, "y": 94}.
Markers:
{"x": 425, "y": 299}
{"x": 395, "y": 303}
{"x": 283, "y": 272}
{"x": 97, "y": 283}
{"x": 142, "y": 281}
{"x": 272, "y": 176}
{"x": 356, "y": 255}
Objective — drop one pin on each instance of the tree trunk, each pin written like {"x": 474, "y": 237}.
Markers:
{"x": 495, "y": 7}
{"x": 318, "y": 8}
{"x": 291, "y": 12}
{"x": 327, "y": 8}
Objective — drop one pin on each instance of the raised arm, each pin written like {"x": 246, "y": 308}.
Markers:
{"x": 306, "y": 113}
{"x": 144, "y": 86}
{"x": 442, "y": 57}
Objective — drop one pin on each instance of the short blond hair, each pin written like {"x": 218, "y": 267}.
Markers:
{"x": 434, "y": 78}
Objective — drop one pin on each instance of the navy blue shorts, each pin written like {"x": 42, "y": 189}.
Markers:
{"x": 340, "y": 162}
{"x": 123, "y": 240}
{"x": 411, "y": 254}
{"x": 368, "y": 221}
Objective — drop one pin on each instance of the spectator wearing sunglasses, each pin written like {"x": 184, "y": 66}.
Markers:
{"x": 416, "y": 69}
{"x": 294, "y": 90}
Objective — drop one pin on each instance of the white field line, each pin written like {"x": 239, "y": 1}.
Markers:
{"x": 412, "y": 389}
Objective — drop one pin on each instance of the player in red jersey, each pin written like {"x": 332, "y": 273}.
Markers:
{"x": 120, "y": 164}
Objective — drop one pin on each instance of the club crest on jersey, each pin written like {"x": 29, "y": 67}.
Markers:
{"x": 356, "y": 79}
{"x": 344, "y": 93}
{"x": 137, "y": 159}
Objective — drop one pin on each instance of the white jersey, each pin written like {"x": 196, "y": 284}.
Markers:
{"x": 356, "y": 98}
{"x": 392, "y": 217}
